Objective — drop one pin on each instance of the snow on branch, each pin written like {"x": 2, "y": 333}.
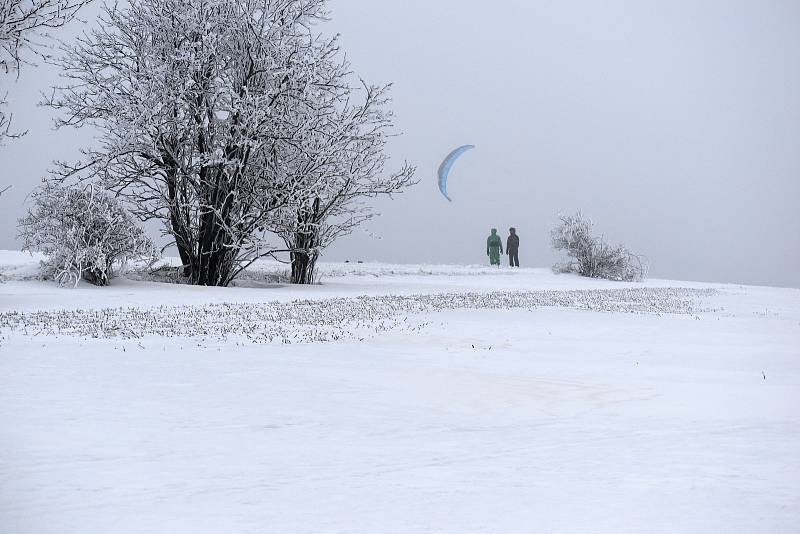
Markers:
{"x": 24, "y": 27}
{"x": 25, "y": 23}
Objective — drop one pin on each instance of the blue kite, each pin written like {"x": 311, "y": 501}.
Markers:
{"x": 444, "y": 168}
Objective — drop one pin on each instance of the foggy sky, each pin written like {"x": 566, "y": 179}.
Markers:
{"x": 674, "y": 125}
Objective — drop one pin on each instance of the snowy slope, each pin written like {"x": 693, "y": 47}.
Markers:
{"x": 658, "y": 407}
{"x": 338, "y": 280}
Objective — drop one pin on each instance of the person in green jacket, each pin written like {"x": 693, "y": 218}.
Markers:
{"x": 494, "y": 247}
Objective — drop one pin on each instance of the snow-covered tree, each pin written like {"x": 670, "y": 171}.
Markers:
{"x": 24, "y": 27}
{"x": 591, "y": 256}
{"x": 193, "y": 100}
{"x": 84, "y": 232}
{"x": 341, "y": 166}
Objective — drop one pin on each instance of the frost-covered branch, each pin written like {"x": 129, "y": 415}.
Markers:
{"x": 24, "y": 24}
{"x": 24, "y": 27}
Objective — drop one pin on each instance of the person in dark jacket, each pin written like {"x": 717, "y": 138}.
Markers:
{"x": 494, "y": 247}
{"x": 512, "y": 248}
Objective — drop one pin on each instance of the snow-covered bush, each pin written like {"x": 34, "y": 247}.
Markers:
{"x": 84, "y": 232}
{"x": 592, "y": 256}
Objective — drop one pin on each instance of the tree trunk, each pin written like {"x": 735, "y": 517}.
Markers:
{"x": 303, "y": 263}
{"x": 214, "y": 259}
{"x": 96, "y": 277}
{"x": 177, "y": 225}
{"x": 183, "y": 248}
{"x": 305, "y": 251}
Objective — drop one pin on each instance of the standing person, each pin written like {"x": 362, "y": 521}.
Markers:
{"x": 512, "y": 248}
{"x": 494, "y": 247}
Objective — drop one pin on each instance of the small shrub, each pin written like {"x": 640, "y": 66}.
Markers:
{"x": 592, "y": 256}
{"x": 84, "y": 232}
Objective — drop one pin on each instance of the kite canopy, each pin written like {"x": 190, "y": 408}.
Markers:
{"x": 447, "y": 164}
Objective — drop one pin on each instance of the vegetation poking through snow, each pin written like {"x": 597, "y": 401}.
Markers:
{"x": 332, "y": 319}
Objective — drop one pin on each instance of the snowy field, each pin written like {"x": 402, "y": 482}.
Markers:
{"x": 397, "y": 399}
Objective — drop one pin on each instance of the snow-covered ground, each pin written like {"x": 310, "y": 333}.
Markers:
{"x": 398, "y": 399}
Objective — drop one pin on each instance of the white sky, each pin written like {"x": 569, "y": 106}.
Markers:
{"x": 674, "y": 125}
